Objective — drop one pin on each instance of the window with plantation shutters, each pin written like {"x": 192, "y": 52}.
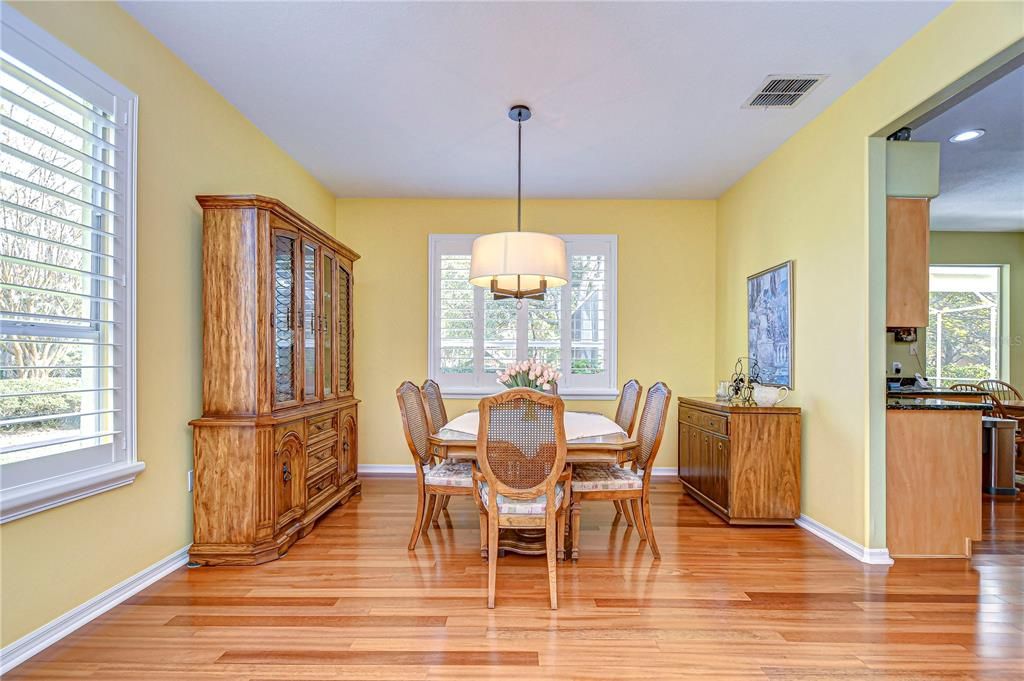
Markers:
{"x": 473, "y": 337}
{"x": 67, "y": 144}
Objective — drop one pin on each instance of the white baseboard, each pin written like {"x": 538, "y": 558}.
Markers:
{"x": 28, "y": 645}
{"x": 844, "y": 543}
{"x": 372, "y": 469}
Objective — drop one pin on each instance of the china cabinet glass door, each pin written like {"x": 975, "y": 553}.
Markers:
{"x": 310, "y": 321}
{"x": 344, "y": 338}
{"x": 327, "y": 321}
{"x": 284, "y": 318}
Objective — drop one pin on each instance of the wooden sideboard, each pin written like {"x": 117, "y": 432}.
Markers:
{"x": 743, "y": 463}
{"x": 277, "y": 445}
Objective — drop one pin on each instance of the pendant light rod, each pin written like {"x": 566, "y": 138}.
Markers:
{"x": 519, "y": 113}
{"x": 519, "y": 181}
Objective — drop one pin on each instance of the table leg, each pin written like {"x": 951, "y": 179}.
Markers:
{"x": 574, "y": 522}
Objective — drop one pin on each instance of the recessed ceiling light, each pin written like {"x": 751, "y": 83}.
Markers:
{"x": 967, "y": 135}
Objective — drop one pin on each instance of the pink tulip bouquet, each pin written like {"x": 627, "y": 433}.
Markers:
{"x": 529, "y": 374}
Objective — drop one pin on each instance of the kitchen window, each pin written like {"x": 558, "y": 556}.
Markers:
{"x": 472, "y": 336}
{"x": 965, "y": 318}
{"x": 67, "y": 281}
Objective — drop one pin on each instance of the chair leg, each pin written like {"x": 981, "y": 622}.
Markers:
{"x": 618, "y": 507}
{"x": 483, "y": 536}
{"x": 429, "y": 515}
{"x": 492, "y": 559}
{"x": 444, "y": 506}
{"x": 624, "y": 505}
{"x": 637, "y": 518}
{"x": 550, "y": 542}
{"x": 437, "y": 509}
{"x": 646, "y": 502}
{"x": 418, "y": 524}
{"x": 560, "y": 531}
{"x": 575, "y": 510}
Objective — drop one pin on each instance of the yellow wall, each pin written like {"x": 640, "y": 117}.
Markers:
{"x": 191, "y": 141}
{"x": 809, "y": 201}
{"x": 666, "y": 295}
{"x": 980, "y": 248}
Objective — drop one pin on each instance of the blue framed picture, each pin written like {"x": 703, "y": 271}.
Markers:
{"x": 770, "y": 324}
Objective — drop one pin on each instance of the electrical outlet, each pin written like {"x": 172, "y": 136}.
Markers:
{"x": 191, "y": 479}
{"x": 897, "y": 367}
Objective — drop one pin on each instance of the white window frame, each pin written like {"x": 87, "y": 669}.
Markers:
{"x": 35, "y": 485}
{"x": 602, "y": 386}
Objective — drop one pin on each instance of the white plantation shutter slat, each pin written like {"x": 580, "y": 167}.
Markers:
{"x": 56, "y": 93}
{"x": 28, "y": 158}
{"x": 57, "y": 145}
{"x": 7, "y": 205}
{"x": 88, "y": 135}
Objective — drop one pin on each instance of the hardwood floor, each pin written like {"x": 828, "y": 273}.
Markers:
{"x": 349, "y": 602}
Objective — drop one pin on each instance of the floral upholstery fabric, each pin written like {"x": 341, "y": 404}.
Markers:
{"x": 595, "y": 477}
{"x": 507, "y": 506}
{"x": 450, "y": 474}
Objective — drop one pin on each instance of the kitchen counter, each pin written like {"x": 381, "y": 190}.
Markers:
{"x": 911, "y": 391}
{"x": 923, "y": 403}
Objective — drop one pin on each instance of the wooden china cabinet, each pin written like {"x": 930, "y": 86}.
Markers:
{"x": 277, "y": 446}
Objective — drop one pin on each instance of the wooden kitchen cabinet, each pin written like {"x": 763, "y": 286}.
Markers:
{"x": 743, "y": 463}
{"x": 906, "y": 262}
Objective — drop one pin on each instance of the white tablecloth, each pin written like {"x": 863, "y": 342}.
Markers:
{"x": 577, "y": 424}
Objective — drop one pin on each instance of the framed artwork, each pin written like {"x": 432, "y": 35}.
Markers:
{"x": 905, "y": 335}
{"x": 770, "y": 323}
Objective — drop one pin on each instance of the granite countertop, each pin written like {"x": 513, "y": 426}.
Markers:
{"x": 933, "y": 404}
{"x": 923, "y": 392}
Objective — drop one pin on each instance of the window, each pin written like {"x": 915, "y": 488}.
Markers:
{"x": 473, "y": 336}
{"x": 964, "y": 319}
{"x": 67, "y": 356}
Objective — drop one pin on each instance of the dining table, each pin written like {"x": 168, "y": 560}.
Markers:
{"x": 611, "y": 448}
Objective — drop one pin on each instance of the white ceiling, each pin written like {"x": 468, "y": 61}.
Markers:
{"x": 630, "y": 100}
{"x": 981, "y": 182}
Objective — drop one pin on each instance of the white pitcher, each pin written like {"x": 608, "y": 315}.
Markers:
{"x": 769, "y": 395}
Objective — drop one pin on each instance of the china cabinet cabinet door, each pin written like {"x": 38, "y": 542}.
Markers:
{"x": 328, "y": 317}
{"x": 289, "y": 474}
{"x": 344, "y": 337}
{"x": 348, "y": 460}
{"x": 310, "y": 321}
{"x": 284, "y": 318}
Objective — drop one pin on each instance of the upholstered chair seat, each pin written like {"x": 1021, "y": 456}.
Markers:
{"x": 534, "y": 506}
{"x": 450, "y": 474}
{"x": 588, "y": 477}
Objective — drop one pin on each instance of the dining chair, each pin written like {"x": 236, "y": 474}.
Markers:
{"x": 1001, "y": 389}
{"x": 520, "y": 474}
{"x": 990, "y": 398}
{"x": 433, "y": 479}
{"x": 625, "y": 418}
{"x": 437, "y": 418}
{"x": 627, "y": 485}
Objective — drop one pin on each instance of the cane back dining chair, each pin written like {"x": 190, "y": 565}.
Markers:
{"x": 625, "y": 418}
{"x": 520, "y": 476}
{"x": 433, "y": 479}
{"x": 437, "y": 418}
{"x": 633, "y": 486}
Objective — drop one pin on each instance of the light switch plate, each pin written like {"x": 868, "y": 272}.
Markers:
{"x": 191, "y": 479}
{"x": 897, "y": 367}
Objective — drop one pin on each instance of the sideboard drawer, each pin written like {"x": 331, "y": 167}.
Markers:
{"x": 322, "y": 427}
{"x": 713, "y": 423}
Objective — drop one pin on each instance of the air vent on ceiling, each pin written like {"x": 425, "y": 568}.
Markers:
{"x": 783, "y": 90}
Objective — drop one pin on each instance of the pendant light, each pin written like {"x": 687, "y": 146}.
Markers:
{"x": 520, "y": 265}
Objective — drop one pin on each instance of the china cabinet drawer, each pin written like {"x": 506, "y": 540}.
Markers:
{"x": 321, "y": 487}
{"x": 321, "y": 457}
{"x": 322, "y": 427}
